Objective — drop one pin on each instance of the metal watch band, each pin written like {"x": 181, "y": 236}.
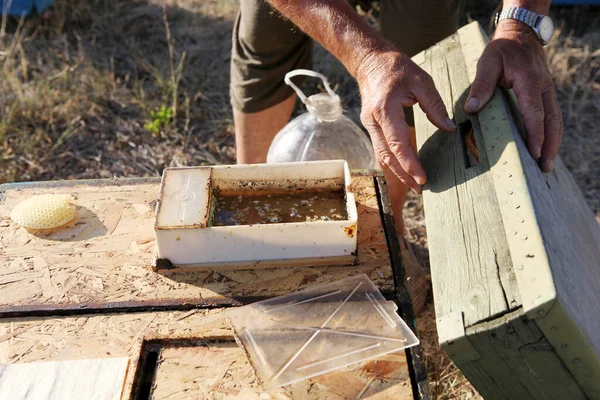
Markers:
{"x": 520, "y": 14}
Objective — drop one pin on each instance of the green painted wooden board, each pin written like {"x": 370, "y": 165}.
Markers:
{"x": 515, "y": 253}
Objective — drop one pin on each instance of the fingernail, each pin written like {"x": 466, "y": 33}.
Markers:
{"x": 450, "y": 124}
{"x": 472, "y": 104}
{"x": 537, "y": 153}
{"x": 420, "y": 180}
{"x": 549, "y": 166}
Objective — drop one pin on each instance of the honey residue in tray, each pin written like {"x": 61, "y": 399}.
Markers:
{"x": 261, "y": 207}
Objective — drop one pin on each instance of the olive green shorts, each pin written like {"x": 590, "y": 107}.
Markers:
{"x": 266, "y": 46}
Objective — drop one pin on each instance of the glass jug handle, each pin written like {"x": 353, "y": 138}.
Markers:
{"x": 306, "y": 72}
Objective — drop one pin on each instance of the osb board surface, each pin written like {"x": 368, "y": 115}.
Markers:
{"x": 221, "y": 371}
{"x": 105, "y": 258}
{"x": 211, "y": 366}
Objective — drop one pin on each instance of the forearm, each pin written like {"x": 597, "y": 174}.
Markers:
{"x": 516, "y": 30}
{"x": 335, "y": 25}
{"x": 537, "y": 6}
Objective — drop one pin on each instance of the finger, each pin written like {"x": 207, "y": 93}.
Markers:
{"x": 531, "y": 107}
{"x": 489, "y": 69}
{"x": 431, "y": 103}
{"x": 553, "y": 130}
{"x": 398, "y": 139}
{"x": 388, "y": 160}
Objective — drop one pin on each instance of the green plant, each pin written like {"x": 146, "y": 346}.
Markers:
{"x": 176, "y": 71}
{"x": 160, "y": 118}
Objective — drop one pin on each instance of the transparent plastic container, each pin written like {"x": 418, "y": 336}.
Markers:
{"x": 323, "y": 133}
{"x": 318, "y": 330}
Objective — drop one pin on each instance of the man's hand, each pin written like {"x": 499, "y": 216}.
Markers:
{"x": 388, "y": 81}
{"x": 515, "y": 59}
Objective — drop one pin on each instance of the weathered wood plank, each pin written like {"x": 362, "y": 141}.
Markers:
{"x": 553, "y": 237}
{"x": 550, "y": 275}
{"x": 476, "y": 254}
{"x": 98, "y": 379}
{"x": 511, "y": 348}
{"x": 105, "y": 259}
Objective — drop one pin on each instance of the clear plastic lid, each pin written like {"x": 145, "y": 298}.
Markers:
{"x": 318, "y": 330}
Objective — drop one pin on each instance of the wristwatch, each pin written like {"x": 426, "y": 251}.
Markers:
{"x": 542, "y": 25}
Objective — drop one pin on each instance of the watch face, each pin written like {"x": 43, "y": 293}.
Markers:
{"x": 546, "y": 28}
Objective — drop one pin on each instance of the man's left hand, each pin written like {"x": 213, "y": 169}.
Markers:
{"x": 515, "y": 59}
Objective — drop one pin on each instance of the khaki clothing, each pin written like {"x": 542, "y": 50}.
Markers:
{"x": 266, "y": 45}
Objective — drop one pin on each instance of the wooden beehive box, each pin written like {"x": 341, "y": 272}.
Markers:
{"x": 89, "y": 291}
{"x": 515, "y": 253}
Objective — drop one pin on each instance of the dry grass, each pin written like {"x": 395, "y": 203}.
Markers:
{"x": 575, "y": 62}
{"x": 77, "y": 88}
{"x": 445, "y": 380}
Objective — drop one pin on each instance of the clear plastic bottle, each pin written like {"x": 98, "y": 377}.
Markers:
{"x": 323, "y": 133}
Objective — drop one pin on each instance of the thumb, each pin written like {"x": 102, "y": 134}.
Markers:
{"x": 489, "y": 69}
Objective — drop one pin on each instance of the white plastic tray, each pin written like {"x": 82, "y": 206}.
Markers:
{"x": 184, "y": 235}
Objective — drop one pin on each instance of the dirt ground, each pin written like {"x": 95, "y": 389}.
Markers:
{"x": 78, "y": 86}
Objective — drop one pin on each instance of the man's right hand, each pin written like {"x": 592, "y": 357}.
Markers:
{"x": 388, "y": 81}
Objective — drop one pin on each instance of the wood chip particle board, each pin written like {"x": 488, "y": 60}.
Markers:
{"x": 105, "y": 259}
{"x": 515, "y": 253}
{"x": 220, "y": 370}
{"x": 199, "y": 357}
{"x": 104, "y": 262}
{"x": 93, "y": 379}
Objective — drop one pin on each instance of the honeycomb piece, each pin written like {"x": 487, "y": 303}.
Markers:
{"x": 44, "y": 211}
